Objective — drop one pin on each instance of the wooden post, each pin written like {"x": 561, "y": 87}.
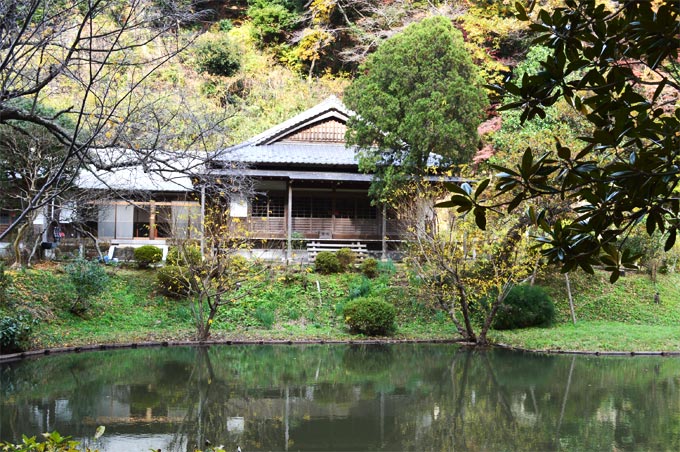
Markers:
{"x": 384, "y": 232}
{"x": 152, "y": 220}
{"x": 289, "y": 225}
{"x": 202, "y": 220}
{"x": 571, "y": 300}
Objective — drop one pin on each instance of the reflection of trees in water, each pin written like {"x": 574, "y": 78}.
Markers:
{"x": 423, "y": 397}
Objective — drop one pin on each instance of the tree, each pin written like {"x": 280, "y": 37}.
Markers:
{"x": 619, "y": 69}
{"x": 418, "y": 96}
{"x": 87, "y": 49}
{"x": 470, "y": 272}
{"x": 222, "y": 276}
{"x": 29, "y": 156}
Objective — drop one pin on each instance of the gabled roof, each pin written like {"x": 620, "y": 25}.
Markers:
{"x": 282, "y": 144}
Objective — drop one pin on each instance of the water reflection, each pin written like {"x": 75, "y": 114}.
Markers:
{"x": 360, "y": 397}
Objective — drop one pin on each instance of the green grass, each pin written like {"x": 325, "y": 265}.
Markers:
{"x": 619, "y": 317}
{"x": 290, "y": 306}
{"x": 593, "y": 336}
{"x": 610, "y": 317}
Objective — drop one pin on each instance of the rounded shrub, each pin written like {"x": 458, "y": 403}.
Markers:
{"x": 187, "y": 255}
{"x": 525, "y": 306}
{"x": 326, "y": 263}
{"x": 369, "y": 267}
{"x": 369, "y": 316}
{"x": 173, "y": 281}
{"x": 147, "y": 255}
{"x": 346, "y": 257}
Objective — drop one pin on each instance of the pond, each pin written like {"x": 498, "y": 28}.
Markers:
{"x": 345, "y": 397}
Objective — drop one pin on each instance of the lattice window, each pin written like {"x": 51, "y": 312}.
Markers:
{"x": 266, "y": 207}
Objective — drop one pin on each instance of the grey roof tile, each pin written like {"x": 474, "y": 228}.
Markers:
{"x": 294, "y": 153}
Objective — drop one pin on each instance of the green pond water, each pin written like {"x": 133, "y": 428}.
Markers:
{"x": 345, "y": 397}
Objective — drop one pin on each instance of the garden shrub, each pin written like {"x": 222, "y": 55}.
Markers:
{"x": 173, "y": 281}
{"x": 147, "y": 255}
{"x": 369, "y": 267}
{"x": 346, "y": 258}
{"x": 89, "y": 279}
{"x": 525, "y": 306}
{"x": 326, "y": 263}
{"x": 14, "y": 332}
{"x": 189, "y": 255}
{"x": 369, "y": 316}
{"x": 217, "y": 56}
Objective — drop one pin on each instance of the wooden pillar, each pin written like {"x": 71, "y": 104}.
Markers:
{"x": 384, "y": 232}
{"x": 152, "y": 220}
{"x": 202, "y": 220}
{"x": 289, "y": 225}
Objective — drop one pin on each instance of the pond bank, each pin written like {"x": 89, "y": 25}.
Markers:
{"x": 384, "y": 341}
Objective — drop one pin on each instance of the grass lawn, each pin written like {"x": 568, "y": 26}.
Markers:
{"x": 594, "y": 335}
{"x": 619, "y": 317}
{"x": 610, "y": 317}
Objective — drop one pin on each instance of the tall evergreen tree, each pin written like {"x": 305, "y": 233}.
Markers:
{"x": 417, "y": 97}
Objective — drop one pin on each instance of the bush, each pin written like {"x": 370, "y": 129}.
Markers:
{"x": 14, "y": 333}
{"x": 525, "y": 306}
{"x": 369, "y": 267}
{"x": 217, "y": 56}
{"x": 189, "y": 255}
{"x": 173, "y": 281}
{"x": 89, "y": 279}
{"x": 327, "y": 263}
{"x": 369, "y": 316}
{"x": 147, "y": 255}
{"x": 346, "y": 258}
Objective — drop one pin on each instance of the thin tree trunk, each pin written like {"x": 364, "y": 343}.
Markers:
{"x": 494, "y": 308}
{"x": 466, "y": 312}
{"x": 571, "y": 300}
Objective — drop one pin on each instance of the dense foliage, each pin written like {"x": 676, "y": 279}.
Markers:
{"x": 15, "y": 331}
{"x": 618, "y": 69}
{"x": 217, "y": 56}
{"x": 89, "y": 279}
{"x": 370, "y": 316}
{"x": 327, "y": 262}
{"x": 419, "y": 102}
{"x": 147, "y": 255}
{"x": 346, "y": 258}
{"x": 369, "y": 267}
{"x": 525, "y": 306}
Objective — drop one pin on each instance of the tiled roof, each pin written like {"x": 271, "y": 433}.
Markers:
{"x": 293, "y": 153}
{"x": 270, "y": 146}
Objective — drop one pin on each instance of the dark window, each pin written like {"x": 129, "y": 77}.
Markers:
{"x": 263, "y": 206}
